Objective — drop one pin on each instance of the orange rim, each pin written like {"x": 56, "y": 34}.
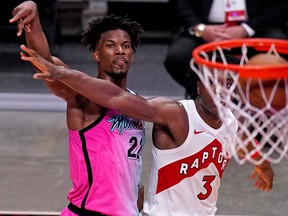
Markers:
{"x": 260, "y": 44}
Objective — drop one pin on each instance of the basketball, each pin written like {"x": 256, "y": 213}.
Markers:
{"x": 255, "y": 95}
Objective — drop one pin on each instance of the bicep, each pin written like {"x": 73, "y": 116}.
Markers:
{"x": 157, "y": 110}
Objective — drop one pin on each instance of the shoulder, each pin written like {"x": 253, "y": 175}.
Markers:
{"x": 188, "y": 105}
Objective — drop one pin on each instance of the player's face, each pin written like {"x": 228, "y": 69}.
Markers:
{"x": 114, "y": 53}
{"x": 206, "y": 101}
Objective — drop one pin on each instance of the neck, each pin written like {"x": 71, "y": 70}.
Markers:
{"x": 118, "y": 79}
{"x": 208, "y": 117}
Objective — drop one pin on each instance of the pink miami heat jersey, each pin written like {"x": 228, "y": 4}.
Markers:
{"x": 184, "y": 181}
{"x": 105, "y": 164}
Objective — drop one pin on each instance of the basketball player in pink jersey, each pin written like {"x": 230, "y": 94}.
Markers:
{"x": 104, "y": 144}
{"x": 187, "y": 135}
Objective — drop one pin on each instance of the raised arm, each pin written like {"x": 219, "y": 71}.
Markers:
{"x": 27, "y": 18}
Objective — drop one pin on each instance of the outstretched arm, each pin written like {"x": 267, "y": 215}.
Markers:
{"x": 105, "y": 93}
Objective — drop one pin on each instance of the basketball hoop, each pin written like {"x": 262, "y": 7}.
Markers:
{"x": 258, "y": 95}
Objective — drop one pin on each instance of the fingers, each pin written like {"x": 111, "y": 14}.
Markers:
{"x": 22, "y": 54}
{"x": 27, "y": 28}
{"x": 262, "y": 182}
{"x": 36, "y": 76}
{"x": 21, "y": 17}
{"x": 22, "y": 23}
{"x": 44, "y": 75}
{"x": 25, "y": 49}
{"x": 222, "y": 35}
{"x": 254, "y": 174}
{"x": 40, "y": 76}
{"x": 259, "y": 183}
{"x": 27, "y": 54}
{"x": 28, "y": 50}
{"x": 221, "y": 28}
{"x": 20, "y": 27}
{"x": 23, "y": 20}
{"x": 43, "y": 66}
{"x": 16, "y": 15}
{"x": 268, "y": 183}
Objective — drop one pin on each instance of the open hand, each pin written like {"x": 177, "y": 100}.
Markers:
{"x": 47, "y": 70}
{"x": 263, "y": 175}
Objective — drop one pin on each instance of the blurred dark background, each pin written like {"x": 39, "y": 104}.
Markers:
{"x": 66, "y": 19}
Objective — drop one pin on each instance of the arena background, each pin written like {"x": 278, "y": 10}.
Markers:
{"x": 34, "y": 175}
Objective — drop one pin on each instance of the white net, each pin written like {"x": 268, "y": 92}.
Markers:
{"x": 258, "y": 117}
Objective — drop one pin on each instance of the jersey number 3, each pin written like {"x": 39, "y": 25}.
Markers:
{"x": 207, "y": 185}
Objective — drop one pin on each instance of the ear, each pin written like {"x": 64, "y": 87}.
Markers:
{"x": 132, "y": 57}
{"x": 96, "y": 56}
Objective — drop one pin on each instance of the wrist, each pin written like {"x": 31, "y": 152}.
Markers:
{"x": 264, "y": 164}
{"x": 62, "y": 73}
{"x": 197, "y": 30}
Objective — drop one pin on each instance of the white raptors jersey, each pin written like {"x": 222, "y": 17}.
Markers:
{"x": 185, "y": 181}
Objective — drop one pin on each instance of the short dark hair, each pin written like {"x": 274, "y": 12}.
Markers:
{"x": 192, "y": 77}
{"x": 97, "y": 26}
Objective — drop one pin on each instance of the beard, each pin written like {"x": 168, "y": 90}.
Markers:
{"x": 117, "y": 76}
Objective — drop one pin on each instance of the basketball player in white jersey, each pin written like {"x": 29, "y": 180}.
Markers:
{"x": 188, "y": 159}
